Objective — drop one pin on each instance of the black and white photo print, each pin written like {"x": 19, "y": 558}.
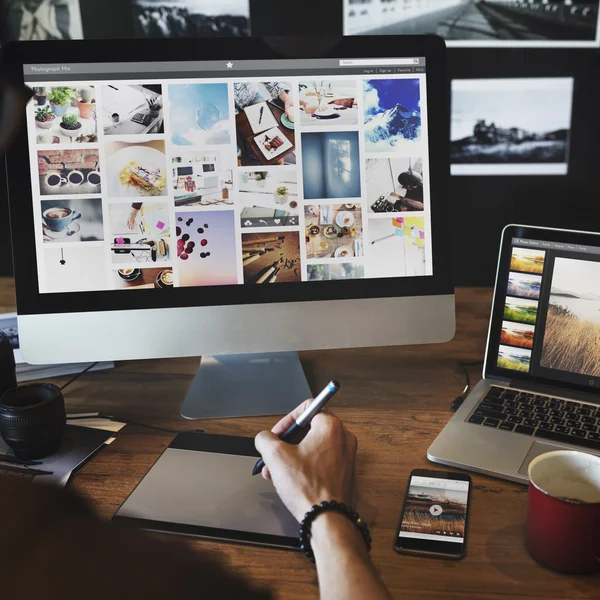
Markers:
{"x": 480, "y": 23}
{"x": 510, "y": 126}
{"x": 191, "y": 18}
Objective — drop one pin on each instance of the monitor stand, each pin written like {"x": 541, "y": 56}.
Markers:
{"x": 246, "y": 385}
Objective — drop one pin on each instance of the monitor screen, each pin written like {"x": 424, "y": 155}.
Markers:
{"x": 547, "y": 313}
{"x": 319, "y": 171}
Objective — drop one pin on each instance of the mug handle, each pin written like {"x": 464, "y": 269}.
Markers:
{"x": 63, "y": 180}
{"x": 76, "y": 215}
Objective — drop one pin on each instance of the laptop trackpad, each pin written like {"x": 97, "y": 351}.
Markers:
{"x": 536, "y": 449}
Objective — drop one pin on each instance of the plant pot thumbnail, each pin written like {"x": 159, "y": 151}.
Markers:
{"x": 86, "y": 109}
{"x": 70, "y": 124}
{"x": 60, "y": 98}
{"x": 44, "y": 118}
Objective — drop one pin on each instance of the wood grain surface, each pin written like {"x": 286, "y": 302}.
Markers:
{"x": 396, "y": 400}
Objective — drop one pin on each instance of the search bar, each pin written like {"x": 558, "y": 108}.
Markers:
{"x": 378, "y": 62}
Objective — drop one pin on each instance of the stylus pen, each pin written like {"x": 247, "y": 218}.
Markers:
{"x": 303, "y": 421}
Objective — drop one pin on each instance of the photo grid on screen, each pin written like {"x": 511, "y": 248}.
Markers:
{"x": 237, "y": 180}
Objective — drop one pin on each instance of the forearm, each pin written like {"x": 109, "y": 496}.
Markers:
{"x": 343, "y": 565}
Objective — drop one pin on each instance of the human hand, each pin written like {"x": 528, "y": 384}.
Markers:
{"x": 131, "y": 220}
{"x": 319, "y": 468}
{"x": 288, "y": 106}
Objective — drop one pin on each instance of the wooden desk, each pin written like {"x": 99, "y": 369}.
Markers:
{"x": 396, "y": 400}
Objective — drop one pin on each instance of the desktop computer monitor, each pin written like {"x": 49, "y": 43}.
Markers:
{"x": 175, "y": 198}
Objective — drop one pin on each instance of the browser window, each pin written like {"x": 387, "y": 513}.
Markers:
{"x": 216, "y": 173}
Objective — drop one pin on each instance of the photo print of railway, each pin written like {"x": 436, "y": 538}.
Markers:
{"x": 572, "y": 333}
{"x": 480, "y": 23}
{"x": 511, "y": 126}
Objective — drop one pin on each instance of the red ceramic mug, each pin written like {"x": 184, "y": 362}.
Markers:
{"x": 563, "y": 524}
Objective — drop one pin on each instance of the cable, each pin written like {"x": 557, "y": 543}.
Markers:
{"x": 88, "y": 368}
{"x": 457, "y": 402}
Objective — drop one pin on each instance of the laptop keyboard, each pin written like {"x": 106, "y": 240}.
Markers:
{"x": 553, "y": 419}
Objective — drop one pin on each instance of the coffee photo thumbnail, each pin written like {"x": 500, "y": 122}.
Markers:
{"x": 78, "y": 220}
{"x": 72, "y": 172}
{"x": 131, "y": 278}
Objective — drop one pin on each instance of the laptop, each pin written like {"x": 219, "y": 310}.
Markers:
{"x": 541, "y": 377}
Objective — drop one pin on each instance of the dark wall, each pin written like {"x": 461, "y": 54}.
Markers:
{"x": 480, "y": 206}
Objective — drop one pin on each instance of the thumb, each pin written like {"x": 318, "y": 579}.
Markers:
{"x": 266, "y": 443}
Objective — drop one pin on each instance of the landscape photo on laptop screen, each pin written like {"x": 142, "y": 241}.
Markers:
{"x": 551, "y": 313}
{"x": 211, "y": 176}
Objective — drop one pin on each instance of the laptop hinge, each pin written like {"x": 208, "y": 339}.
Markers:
{"x": 551, "y": 390}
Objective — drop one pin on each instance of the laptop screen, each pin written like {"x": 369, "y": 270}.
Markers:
{"x": 546, "y": 323}
{"x": 215, "y": 173}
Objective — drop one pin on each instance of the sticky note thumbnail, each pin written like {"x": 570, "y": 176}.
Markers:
{"x": 160, "y": 225}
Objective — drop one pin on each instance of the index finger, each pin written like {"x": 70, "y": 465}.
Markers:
{"x": 284, "y": 423}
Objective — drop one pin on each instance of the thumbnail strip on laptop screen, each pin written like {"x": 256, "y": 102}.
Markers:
{"x": 550, "y": 315}
{"x": 162, "y": 175}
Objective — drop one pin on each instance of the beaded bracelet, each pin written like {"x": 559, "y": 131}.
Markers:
{"x": 338, "y": 507}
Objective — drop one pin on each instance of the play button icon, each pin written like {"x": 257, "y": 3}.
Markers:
{"x": 436, "y": 510}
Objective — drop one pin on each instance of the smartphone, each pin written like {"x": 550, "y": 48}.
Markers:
{"x": 434, "y": 515}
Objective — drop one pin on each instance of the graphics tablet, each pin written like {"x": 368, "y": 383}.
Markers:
{"x": 202, "y": 486}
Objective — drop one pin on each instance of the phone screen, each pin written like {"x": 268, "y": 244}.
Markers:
{"x": 435, "y": 515}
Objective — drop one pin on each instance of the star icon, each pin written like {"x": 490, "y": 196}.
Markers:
{"x": 230, "y": 65}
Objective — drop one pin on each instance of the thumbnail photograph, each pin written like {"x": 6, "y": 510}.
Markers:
{"x": 131, "y": 278}
{"x": 265, "y": 122}
{"x": 191, "y": 18}
{"x": 527, "y": 261}
{"x": 481, "y": 23}
{"x": 511, "y": 126}
{"x": 335, "y": 271}
{"x": 326, "y": 102}
{"x": 199, "y": 114}
{"x": 521, "y": 310}
{"x": 80, "y": 268}
{"x": 396, "y": 247}
{"x": 515, "y": 359}
{"x": 132, "y": 109}
{"x": 203, "y": 178}
{"x": 29, "y": 20}
{"x": 435, "y": 511}
{"x": 206, "y": 248}
{"x": 139, "y": 232}
{"x": 517, "y": 334}
{"x": 271, "y": 257}
{"x": 395, "y": 185}
{"x": 392, "y": 114}
{"x": 136, "y": 170}
{"x": 333, "y": 230}
{"x": 572, "y": 333}
{"x": 65, "y": 115}
{"x": 524, "y": 285}
{"x": 72, "y": 172}
{"x": 331, "y": 165}
{"x": 268, "y": 198}
{"x": 78, "y": 220}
